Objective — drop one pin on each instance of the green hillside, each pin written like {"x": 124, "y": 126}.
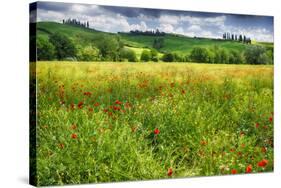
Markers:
{"x": 172, "y": 43}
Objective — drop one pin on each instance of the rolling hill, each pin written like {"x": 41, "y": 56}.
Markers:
{"x": 172, "y": 43}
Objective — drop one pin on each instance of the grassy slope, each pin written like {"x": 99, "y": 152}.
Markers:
{"x": 180, "y": 44}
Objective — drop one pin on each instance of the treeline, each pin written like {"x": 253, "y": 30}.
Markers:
{"x": 235, "y": 37}
{"x": 76, "y": 22}
{"x": 148, "y": 32}
{"x": 111, "y": 48}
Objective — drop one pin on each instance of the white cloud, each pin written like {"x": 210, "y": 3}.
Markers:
{"x": 169, "y": 19}
{"x": 168, "y": 28}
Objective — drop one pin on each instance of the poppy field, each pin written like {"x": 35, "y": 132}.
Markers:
{"x": 109, "y": 121}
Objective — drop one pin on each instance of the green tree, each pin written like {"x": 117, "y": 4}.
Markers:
{"x": 64, "y": 47}
{"x": 145, "y": 56}
{"x": 128, "y": 54}
{"x": 199, "y": 54}
{"x": 109, "y": 48}
{"x": 154, "y": 55}
{"x": 168, "y": 57}
{"x": 256, "y": 55}
{"x": 88, "y": 53}
{"x": 45, "y": 49}
{"x": 235, "y": 57}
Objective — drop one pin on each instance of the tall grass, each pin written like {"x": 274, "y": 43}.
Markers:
{"x": 98, "y": 122}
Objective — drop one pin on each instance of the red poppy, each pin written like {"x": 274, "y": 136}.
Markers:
{"x": 118, "y": 102}
{"x": 128, "y": 105}
{"x": 262, "y": 163}
{"x": 183, "y": 91}
{"x": 74, "y": 136}
{"x": 61, "y": 145}
{"x": 233, "y": 171}
{"x": 232, "y": 150}
{"x": 73, "y": 127}
{"x": 270, "y": 119}
{"x": 105, "y": 110}
{"x": 80, "y": 105}
{"x": 156, "y": 131}
{"x": 249, "y": 169}
{"x": 87, "y": 93}
{"x": 263, "y": 149}
{"x": 203, "y": 142}
{"x": 96, "y": 104}
{"x": 170, "y": 171}
{"x": 72, "y": 106}
{"x": 257, "y": 125}
{"x": 117, "y": 108}
{"x": 90, "y": 109}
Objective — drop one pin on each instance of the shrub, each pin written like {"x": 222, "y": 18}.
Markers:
{"x": 154, "y": 55}
{"x": 88, "y": 53}
{"x": 145, "y": 56}
{"x": 108, "y": 47}
{"x": 128, "y": 54}
{"x": 199, "y": 54}
{"x": 45, "y": 49}
{"x": 256, "y": 55}
{"x": 235, "y": 57}
{"x": 64, "y": 47}
{"x": 168, "y": 57}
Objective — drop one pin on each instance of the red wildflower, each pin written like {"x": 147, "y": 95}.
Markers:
{"x": 90, "y": 109}
{"x": 257, "y": 125}
{"x": 183, "y": 91}
{"x": 87, "y": 93}
{"x": 72, "y": 106}
{"x": 262, "y": 163}
{"x": 128, "y": 105}
{"x": 232, "y": 150}
{"x": 170, "y": 171}
{"x": 117, "y": 108}
{"x": 156, "y": 131}
{"x": 203, "y": 142}
{"x": 61, "y": 145}
{"x": 105, "y": 110}
{"x": 233, "y": 171}
{"x": 270, "y": 119}
{"x": 80, "y": 105}
{"x": 96, "y": 104}
{"x": 74, "y": 136}
{"x": 172, "y": 84}
{"x": 263, "y": 149}
{"x": 249, "y": 169}
{"x": 73, "y": 127}
{"x": 118, "y": 102}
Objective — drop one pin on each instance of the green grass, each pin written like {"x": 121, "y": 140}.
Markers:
{"x": 172, "y": 43}
{"x": 207, "y": 116}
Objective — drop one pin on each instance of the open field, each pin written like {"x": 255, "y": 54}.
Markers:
{"x": 103, "y": 122}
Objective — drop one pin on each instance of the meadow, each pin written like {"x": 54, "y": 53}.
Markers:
{"x": 106, "y": 122}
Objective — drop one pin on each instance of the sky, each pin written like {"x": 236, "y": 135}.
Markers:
{"x": 123, "y": 19}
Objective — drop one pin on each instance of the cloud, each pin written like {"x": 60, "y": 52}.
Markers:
{"x": 115, "y": 19}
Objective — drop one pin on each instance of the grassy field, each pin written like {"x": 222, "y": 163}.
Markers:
{"x": 103, "y": 122}
{"x": 172, "y": 43}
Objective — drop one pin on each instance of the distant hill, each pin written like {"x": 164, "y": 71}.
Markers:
{"x": 172, "y": 43}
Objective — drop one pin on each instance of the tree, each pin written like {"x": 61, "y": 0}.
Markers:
{"x": 256, "y": 55}
{"x": 45, "y": 49}
{"x": 168, "y": 57}
{"x": 158, "y": 43}
{"x": 145, "y": 56}
{"x": 235, "y": 57}
{"x": 108, "y": 47}
{"x": 64, "y": 47}
{"x": 154, "y": 55}
{"x": 88, "y": 53}
{"x": 199, "y": 54}
{"x": 128, "y": 54}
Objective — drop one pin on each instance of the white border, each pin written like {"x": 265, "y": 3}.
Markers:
{"x": 14, "y": 90}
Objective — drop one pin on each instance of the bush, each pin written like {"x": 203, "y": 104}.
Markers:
{"x": 235, "y": 58}
{"x": 128, "y": 54}
{"x": 145, "y": 56}
{"x": 109, "y": 48}
{"x": 45, "y": 49}
{"x": 154, "y": 55}
{"x": 199, "y": 54}
{"x": 168, "y": 57}
{"x": 88, "y": 53}
{"x": 64, "y": 47}
{"x": 256, "y": 55}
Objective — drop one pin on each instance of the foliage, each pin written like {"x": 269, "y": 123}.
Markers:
{"x": 256, "y": 55}
{"x": 154, "y": 55}
{"x": 168, "y": 57}
{"x": 64, "y": 47}
{"x": 199, "y": 54}
{"x": 109, "y": 48}
{"x": 145, "y": 56}
{"x": 45, "y": 49}
{"x": 88, "y": 53}
{"x": 128, "y": 54}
